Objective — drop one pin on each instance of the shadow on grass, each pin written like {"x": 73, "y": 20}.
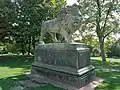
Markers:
{"x": 116, "y": 57}
{"x": 16, "y": 61}
{"x": 8, "y": 83}
{"x": 46, "y": 87}
{"x": 112, "y": 80}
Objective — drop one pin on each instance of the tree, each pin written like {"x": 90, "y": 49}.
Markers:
{"x": 99, "y": 13}
{"x": 114, "y": 50}
{"x": 4, "y": 24}
{"x": 104, "y": 30}
{"x": 22, "y": 19}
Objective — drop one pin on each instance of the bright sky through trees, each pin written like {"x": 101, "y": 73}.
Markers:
{"x": 71, "y": 2}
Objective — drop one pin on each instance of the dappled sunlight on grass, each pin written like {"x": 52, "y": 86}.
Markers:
{"x": 13, "y": 67}
{"x": 111, "y": 62}
{"x": 0, "y": 88}
{"x": 8, "y": 72}
{"x": 112, "y": 80}
{"x": 8, "y": 82}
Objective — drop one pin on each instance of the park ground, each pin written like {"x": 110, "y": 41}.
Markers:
{"x": 12, "y": 69}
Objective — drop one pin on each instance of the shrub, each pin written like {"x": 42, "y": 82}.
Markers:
{"x": 114, "y": 50}
{"x": 95, "y": 52}
{"x": 11, "y": 48}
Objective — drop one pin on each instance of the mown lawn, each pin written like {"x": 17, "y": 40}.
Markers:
{"x": 112, "y": 78}
{"x": 13, "y": 67}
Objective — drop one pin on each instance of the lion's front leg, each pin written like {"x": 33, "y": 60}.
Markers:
{"x": 65, "y": 35}
{"x": 54, "y": 37}
{"x": 42, "y": 36}
{"x": 71, "y": 40}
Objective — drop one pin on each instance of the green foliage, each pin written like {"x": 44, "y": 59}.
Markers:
{"x": 95, "y": 52}
{"x": 4, "y": 23}
{"x": 98, "y": 16}
{"x": 115, "y": 49}
{"x": 11, "y": 48}
{"x": 3, "y": 50}
{"x": 109, "y": 42}
{"x": 21, "y": 21}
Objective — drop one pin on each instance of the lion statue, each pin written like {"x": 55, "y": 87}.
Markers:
{"x": 67, "y": 22}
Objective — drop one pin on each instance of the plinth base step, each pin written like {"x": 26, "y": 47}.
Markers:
{"x": 76, "y": 78}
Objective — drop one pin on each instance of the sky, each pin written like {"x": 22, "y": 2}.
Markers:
{"x": 71, "y": 2}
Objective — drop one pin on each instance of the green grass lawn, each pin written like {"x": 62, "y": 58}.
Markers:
{"x": 112, "y": 78}
{"x": 13, "y": 67}
{"x": 113, "y": 63}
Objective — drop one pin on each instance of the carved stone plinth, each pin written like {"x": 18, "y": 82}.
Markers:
{"x": 67, "y": 63}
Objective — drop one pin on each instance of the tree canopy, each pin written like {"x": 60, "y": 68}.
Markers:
{"x": 21, "y": 20}
{"x": 99, "y": 16}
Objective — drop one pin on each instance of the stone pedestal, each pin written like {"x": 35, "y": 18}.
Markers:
{"x": 67, "y": 63}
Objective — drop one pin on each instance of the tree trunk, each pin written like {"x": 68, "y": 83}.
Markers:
{"x": 22, "y": 48}
{"x": 102, "y": 51}
{"x": 29, "y": 45}
{"x": 33, "y": 42}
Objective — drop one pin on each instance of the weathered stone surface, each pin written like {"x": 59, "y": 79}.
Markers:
{"x": 66, "y": 23}
{"x": 67, "y": 63}
{"x": 63, "y": 54}
{"x": 77, "y": 79}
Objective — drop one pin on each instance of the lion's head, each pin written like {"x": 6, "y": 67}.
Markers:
{"x": 70, "y": 17}
{"x": 72, "y": 10}
{"x": 72, "y": 23}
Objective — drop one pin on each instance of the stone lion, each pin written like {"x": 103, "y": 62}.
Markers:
{"x": 65, "y": 24}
